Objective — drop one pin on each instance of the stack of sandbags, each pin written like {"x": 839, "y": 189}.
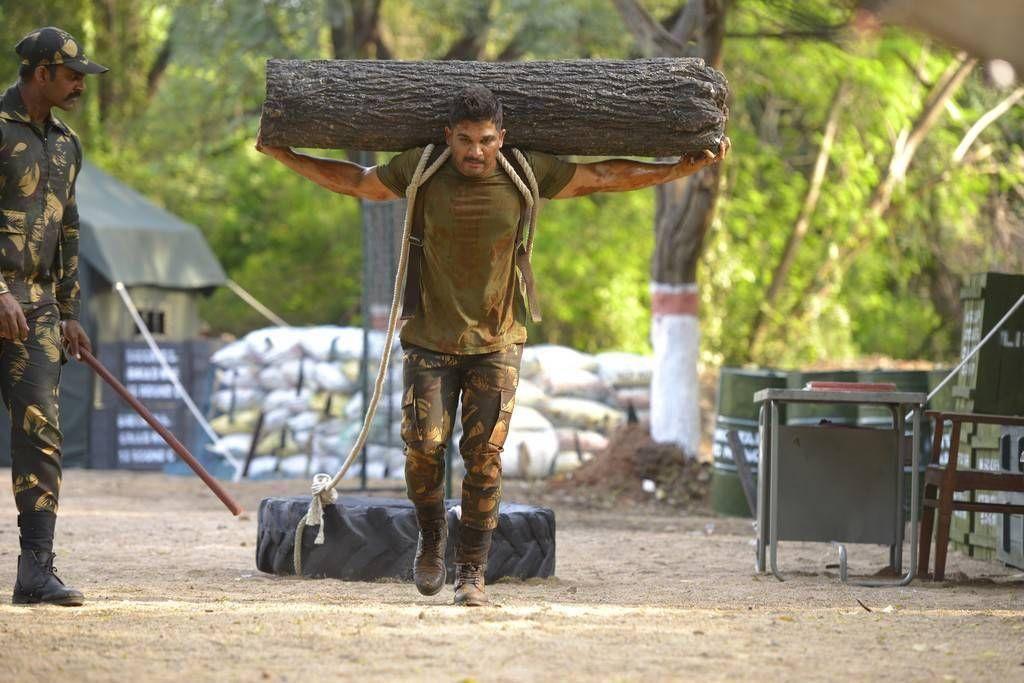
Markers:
{"x": 294, "y": 390}
{"x": 582, "y": 397}
{"x": 298, "y": 386}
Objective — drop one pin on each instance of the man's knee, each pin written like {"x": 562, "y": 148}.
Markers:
{"x": 424, "y": 471}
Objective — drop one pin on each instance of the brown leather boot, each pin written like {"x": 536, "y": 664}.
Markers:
{"x": 428, "y": 569}
{"x": 470, "y": 566}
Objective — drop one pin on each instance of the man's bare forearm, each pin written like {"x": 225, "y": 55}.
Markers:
{"x": 336, "y": 175}
{"x": 621, "y": 175}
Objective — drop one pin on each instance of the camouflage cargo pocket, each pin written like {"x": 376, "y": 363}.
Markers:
{"x": 500, "y": 431}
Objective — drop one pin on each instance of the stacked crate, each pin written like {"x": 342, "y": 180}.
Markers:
{"x": 1011, "y": 538}
{"x": 988, "y": 383}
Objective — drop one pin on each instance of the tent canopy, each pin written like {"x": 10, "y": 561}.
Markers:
{"x": 129, "y": 239}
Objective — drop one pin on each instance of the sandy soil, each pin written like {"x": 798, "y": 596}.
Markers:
{"x": 640, "y": 594}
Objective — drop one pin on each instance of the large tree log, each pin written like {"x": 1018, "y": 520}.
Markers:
{"x": 648, "y": 107}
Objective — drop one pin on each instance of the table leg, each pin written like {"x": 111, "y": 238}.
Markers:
{"x": 773, "y": 513}
{"x": 762, "y": 489}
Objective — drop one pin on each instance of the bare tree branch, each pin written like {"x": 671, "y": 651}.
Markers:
{"x": 984, "y": 122}
{"x": 651, "y": 37}
{"x": 473, "y": 42}
{"x": 160, "y": 63}
{"x": 803, "y": 221}
{"x": 881, "y": 198}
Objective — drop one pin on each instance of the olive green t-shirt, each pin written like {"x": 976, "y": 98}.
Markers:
{"x": 468, "y": 281}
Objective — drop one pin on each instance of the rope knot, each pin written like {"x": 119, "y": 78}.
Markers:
{"x": 323, "y": 495}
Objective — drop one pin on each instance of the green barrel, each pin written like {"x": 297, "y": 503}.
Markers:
{"x": 736, "y": 410}
{"x": 814, "y": 413}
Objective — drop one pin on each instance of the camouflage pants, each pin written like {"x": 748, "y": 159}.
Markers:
{"x": 29, "y": 377}
{"x": 432, "y": 384}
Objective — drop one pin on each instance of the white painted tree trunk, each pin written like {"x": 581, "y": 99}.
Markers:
{"x": 675, "y": 390}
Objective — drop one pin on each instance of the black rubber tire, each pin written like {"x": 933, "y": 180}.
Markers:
{"x": 375, "y": 538}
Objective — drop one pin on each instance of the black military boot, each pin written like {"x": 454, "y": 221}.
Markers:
{"x": 37, "y": 580}
{"x": 428, "y": 569}
{"x": 470, "y": 565}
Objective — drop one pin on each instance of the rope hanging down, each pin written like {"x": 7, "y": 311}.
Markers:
{"x": 323, "y": 486}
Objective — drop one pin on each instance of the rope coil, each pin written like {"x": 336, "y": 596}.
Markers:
{"x": 323, "y": 486}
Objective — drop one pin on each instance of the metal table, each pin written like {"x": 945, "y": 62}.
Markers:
{"x": 832, "y": 483}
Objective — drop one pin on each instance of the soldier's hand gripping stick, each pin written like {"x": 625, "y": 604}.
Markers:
{"x": 171, "y": 440}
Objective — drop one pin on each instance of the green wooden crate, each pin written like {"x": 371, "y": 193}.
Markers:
{"x": 992, "y": 375}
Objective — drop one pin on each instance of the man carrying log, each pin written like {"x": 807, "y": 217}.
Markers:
{"x": 40, "y": 157}
{"x": 469, "y": 291}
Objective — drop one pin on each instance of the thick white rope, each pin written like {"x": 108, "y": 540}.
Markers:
{"x": 171, "y": 375}
{"x": 323, "y": 487}
{"x": 255, "y": 303}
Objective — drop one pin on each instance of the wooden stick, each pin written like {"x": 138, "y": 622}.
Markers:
{"x": 171, "y": 440}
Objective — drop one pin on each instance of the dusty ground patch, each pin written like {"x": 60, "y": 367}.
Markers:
{"x": 640, "y": 594}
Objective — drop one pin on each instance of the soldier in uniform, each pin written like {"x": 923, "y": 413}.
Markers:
{"x": 471, "y": 297}
{"x": 40, "y": 157}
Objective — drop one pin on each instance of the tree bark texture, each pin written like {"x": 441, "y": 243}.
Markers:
{"x": 648, "y": 107}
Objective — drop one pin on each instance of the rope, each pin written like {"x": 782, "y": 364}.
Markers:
{"x": 323, "y": 487}
{"x": 255, "y": 303}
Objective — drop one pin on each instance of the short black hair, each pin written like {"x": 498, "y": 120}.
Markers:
{"x": 26, "y": 71}
{"x": 475, "y": 103}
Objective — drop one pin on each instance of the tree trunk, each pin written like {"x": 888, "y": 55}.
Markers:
{"x": 656, "y": 107}
{"x": 684, "y": 212}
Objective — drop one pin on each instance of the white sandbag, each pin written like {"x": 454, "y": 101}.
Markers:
{"x": 296, "y": 465}
{"x": 638, "y": 397}
{"x": 233, "y": 355}
{"x": 236, "y": 445}
{"x": 330, "y": 377}
{"x": 581, "y": 413}
{"x": 354, "y": 409}
{"x": 272, "y": 379}
{"x": 274, "y": 344}
{"x": 275, "y": 419}
{"x": 300, "y": 369}
{"x": 392, "y": 456}
{"x": 226, "y": 400}
{"x": 567, "y": 461}
{"x": 569, "y": 439}
{"x": 303, "y": 422}
{"x": 528, "y": 453}
{"x": 572, "y": 382}
{"x": 332, "y": 343}
{"x": 543, "y": 357}
{"x": 525, "y": 418}
{"x": 287, "y": 398}
{"x": 529, "y": 394}
{"x": 262, "y": 466}
{"x": 620, "y": 369}
{"x": 239, "y": 377}
{"x": 330, "y": 427}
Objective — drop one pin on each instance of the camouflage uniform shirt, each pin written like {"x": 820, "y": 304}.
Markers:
{"x": 38, "y": 214}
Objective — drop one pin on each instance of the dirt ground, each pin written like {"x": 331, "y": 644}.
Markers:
{"x": 645, "y": 593}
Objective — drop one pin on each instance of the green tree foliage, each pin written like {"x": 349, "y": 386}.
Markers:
{"x": 178, "y": 113}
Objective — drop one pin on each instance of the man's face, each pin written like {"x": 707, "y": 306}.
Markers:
{"x": 63, "y": 89}
{"x": 475, "y": 146}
